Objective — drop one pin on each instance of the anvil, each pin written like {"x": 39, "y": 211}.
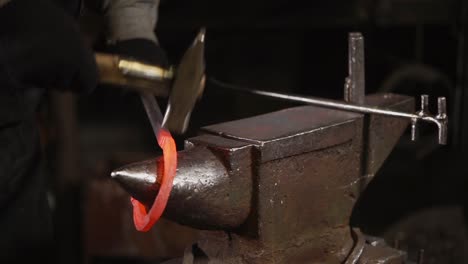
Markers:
{"x": 278, "y": 187}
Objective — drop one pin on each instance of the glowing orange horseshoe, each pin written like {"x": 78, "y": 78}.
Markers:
{"x": 145, "y": 220}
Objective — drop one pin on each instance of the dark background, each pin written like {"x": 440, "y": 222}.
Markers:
{"x": 418, "y": 199}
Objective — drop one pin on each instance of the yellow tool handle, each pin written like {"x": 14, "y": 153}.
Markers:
{"x": 133, "y": 74}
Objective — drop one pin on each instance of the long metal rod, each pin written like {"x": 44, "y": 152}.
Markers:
{"x": 328, "y": 103}
{"x": 439, "y": 120}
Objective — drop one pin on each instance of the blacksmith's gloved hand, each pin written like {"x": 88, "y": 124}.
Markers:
{"x": 41, "y": 46}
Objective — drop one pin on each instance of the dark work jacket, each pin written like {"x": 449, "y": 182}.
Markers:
{"x": 25, "y": 217}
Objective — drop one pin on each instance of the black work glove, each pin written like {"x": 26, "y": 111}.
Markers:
{"x": 143, "y": 50}
{"x": 41, "y": 46}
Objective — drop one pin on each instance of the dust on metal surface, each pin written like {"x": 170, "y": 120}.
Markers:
{"x": 291, "y": 131}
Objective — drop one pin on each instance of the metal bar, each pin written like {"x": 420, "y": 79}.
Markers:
{"x": 440, "y": 120}
{"x": 355, "y": 82}
{"x": 152, "y": 111}
{"x": 336, "y": 104}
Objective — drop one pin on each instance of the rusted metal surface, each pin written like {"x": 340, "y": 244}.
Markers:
{"x": 291, "y": 131}
{"x": 383, "y": 132}
{"x": 307, "y": 199}
{"x": 295, "y": 187}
